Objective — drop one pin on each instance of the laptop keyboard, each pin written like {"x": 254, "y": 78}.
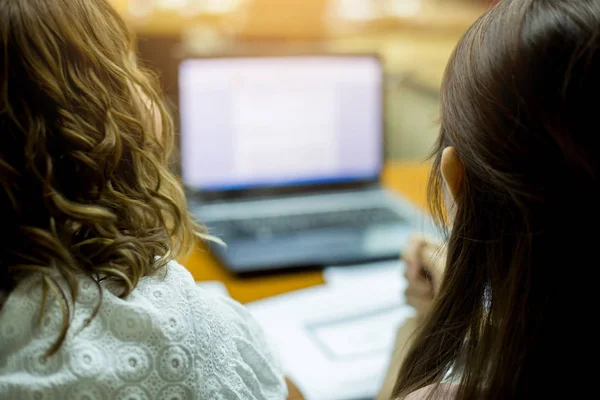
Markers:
{"x": 288, "y": 224}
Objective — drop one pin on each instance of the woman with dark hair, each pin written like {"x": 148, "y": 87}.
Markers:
{"x": 93, "y": 304}
{"x": 517, "y": 168}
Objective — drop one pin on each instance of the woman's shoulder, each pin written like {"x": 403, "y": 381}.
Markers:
{"x": 175, "y": 289}
{"x": 169, "y": 337}
{"x": 236, "y": 354}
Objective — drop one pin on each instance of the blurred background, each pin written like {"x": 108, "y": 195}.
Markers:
{"x": 414, "y": 38}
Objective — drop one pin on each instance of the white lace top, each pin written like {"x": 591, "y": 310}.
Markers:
{"x": 168, "y": 340}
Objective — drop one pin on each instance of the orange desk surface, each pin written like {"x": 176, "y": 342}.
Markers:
{"x": 408, "y": 179}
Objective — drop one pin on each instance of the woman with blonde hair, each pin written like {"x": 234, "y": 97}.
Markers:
{"x": 93, "y": 305}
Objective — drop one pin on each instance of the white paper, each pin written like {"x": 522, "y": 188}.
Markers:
{"x": 335, "y": 341}
{"x": 360, "y": 336}
{"x": 215, "y": 287}
{"x": 371, "y": 274}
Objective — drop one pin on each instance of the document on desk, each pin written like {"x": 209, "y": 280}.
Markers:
{"x": 335, "y": 341}
{"x": 376, "y": 274}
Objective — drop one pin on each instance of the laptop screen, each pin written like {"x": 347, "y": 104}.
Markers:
{"x": 280, "y": 121}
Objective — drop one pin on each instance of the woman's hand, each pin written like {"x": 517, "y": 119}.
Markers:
{"x": 425, "y": 262}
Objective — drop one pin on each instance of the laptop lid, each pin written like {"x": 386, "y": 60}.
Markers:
{"x": 256, "y": 125}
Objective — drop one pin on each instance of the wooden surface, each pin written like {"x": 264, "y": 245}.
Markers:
{"x": 293, "y": 391}
{"x": 407, "y": 179}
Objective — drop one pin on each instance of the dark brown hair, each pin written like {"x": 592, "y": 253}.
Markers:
{"x": 84, "y": 146}
{"x": 520, "y": 103}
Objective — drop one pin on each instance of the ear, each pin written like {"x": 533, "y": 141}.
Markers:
{"x": 452, "y": 170}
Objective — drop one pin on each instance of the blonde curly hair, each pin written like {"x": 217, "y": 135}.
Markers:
{"x": 85, "y": 139}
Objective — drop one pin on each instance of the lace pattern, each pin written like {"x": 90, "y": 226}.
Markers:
{"x": 168, "y": 340}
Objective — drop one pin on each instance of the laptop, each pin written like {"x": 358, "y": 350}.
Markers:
{"x": 282, "y": 156}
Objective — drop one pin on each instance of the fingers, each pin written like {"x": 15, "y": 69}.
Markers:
{"x": 421, "y": 303}
{"x": 418, "y": 284}
{"x": 425, "y": 263}
{"x": 412, "y": 271}
{"x": 412, "y": 258}
{"x": 420, "y": 292}
{"x": 423, "y": 250}
{"x": 433, "y": 260}
{"x": 412, "y": 250}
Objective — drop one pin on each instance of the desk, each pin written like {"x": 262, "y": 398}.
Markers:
{"x": 408, "y": 179}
